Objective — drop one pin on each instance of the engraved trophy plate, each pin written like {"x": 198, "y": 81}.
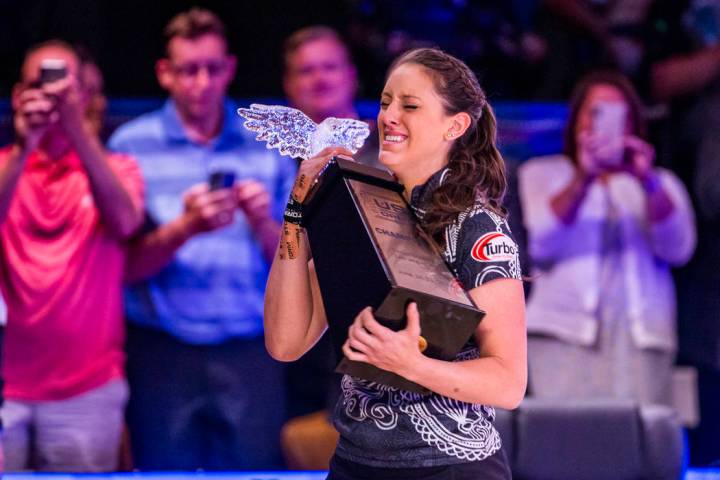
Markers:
{"x": 409, "y": 258}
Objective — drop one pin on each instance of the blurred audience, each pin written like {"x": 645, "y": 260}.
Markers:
{"x": 321, "y": 80}
{"x": 685, "y": 74}
{"x": 204, "y": 390}
{"x": 586, "y": 35}
{"x": 604, "y": 227}
{"x": 700, "y": 293}
{"x": 66, "y": 209}
{"x": 498, "y": 39}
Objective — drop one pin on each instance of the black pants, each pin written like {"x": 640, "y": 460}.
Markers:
{"x": 704, "y": 439}
{"x": 216, "y": 407}
{"x": 494, "y": 467}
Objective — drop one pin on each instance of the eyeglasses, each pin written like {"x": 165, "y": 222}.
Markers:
{"x": 191, "y": 70}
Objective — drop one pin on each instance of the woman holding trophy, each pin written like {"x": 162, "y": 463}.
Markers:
{"x": 437, "y": 135}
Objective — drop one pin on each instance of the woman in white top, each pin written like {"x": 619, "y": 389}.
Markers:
{"x": 604, "y": 227}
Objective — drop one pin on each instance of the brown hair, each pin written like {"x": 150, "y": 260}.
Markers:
{"x": 193, "y": 24}
{"x": 309, "y": 34}
{"x": 477, "y": 169}
{"x": 580, "y": 93}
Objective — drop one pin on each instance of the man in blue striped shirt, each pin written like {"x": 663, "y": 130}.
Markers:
{"x": 204, "y": 393}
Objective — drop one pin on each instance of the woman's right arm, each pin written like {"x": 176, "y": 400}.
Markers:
{"x": 294, "y": 314}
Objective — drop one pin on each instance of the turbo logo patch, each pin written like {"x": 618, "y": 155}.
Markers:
{"x": 494, "y": 247}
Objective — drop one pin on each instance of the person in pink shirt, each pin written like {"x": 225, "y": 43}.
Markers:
{"x": 66, "y": 209}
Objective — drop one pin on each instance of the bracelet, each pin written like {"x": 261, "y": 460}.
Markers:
{"x": 293, "y": 212}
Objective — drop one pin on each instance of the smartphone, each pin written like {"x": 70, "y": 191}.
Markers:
{"x": 221, "y": 179}
{"x": 52, "y": 69}
{"x": 608, "y": 126}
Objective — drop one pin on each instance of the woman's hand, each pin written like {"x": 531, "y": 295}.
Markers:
{"x": 291, "y": 232}
{"x": 590, "y": 148}
{"x": 311, "y": 168}
{"x": 372, "y": 343}
{"x": 641, "y": 157}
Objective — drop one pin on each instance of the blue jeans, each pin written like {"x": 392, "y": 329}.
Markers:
{"x": 214, "y": 407}
{"x": 77, "y": 434}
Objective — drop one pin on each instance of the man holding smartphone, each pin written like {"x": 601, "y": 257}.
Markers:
{"x": 205, "y": 393}
{"x": 66, "y": 209}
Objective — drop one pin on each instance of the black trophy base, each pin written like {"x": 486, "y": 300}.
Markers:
{"x": 443, "y": 325}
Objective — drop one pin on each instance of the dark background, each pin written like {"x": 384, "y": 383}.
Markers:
{"x": 126, "y": 36}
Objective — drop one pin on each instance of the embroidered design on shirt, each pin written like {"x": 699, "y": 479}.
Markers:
{"x": 489, "y": 273}
{"x": 459, "y": 429}
{"x": 475, "y": 438}
{"x": 365, "y": 400}
{"x": 452, "y": 234}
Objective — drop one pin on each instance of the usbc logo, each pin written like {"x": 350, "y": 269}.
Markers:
{"x": 390, "y": 210}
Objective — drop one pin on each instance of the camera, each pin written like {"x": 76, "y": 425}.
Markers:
{"x": 221, "y": 179}
{"x": 52, "y": 69}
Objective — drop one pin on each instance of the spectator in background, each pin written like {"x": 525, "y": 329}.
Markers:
{"x": 66, "y": 209}
{"x": 497, "y": 38}
{"x": 586, "y": 35}
{"x": 604, "y": 226}
{"x": 205, "y": 393}
{"x": 685, "y": 75}
{"x": 320, "y": 80}
{"x": 700, "y": 293}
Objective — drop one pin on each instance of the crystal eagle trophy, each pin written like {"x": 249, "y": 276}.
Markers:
{"x": 366, "y": 244}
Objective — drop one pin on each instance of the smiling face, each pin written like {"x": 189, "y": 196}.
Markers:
{"x": 413, "y": 125}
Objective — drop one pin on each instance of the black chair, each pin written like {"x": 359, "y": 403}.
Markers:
{"x": 591, "y": 440}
